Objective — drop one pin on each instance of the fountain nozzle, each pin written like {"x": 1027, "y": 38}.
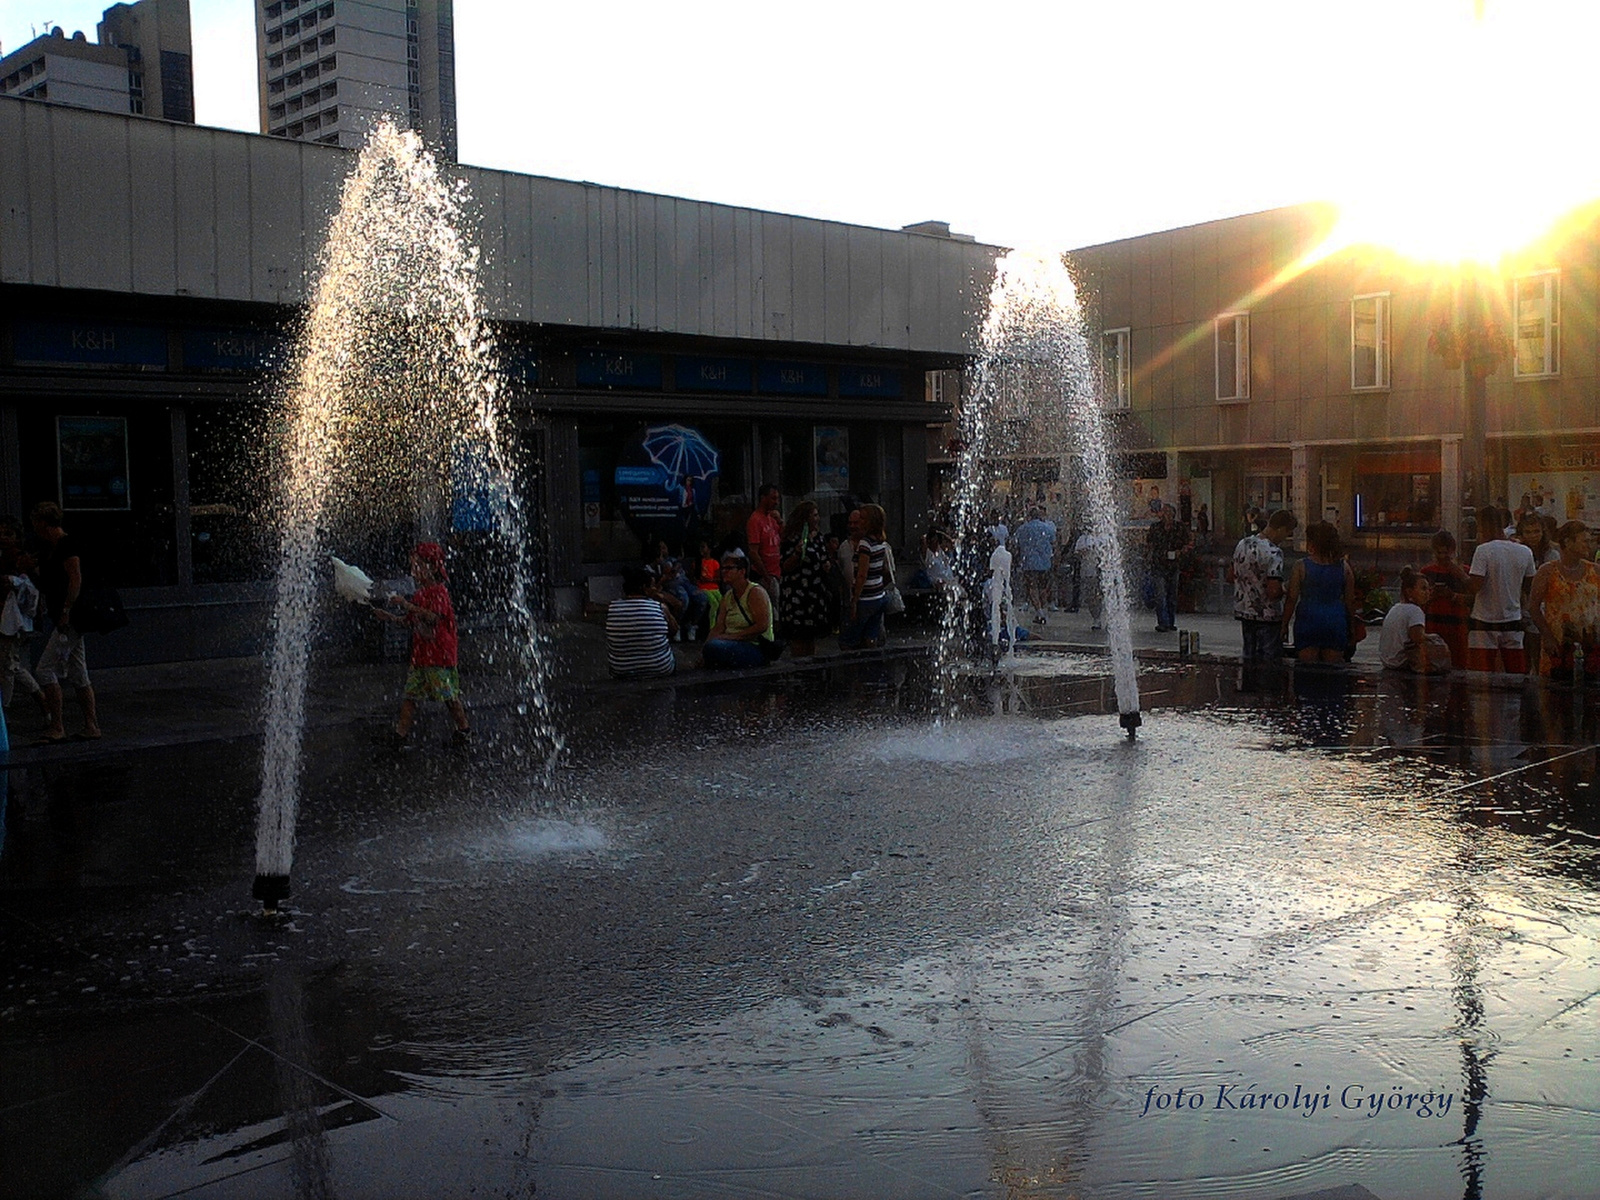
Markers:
{"x": 270, "y": 890}
{"x": 1131, "y": 722}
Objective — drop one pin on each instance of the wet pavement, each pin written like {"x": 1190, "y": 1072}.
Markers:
{"x": 785, "y": 936}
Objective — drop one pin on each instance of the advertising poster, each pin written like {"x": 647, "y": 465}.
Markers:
{"x": 1564, "y": 495}
{"x": 93, "y": 463}
{"x": 832, "y": 446}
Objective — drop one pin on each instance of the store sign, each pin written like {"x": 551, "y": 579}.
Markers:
{"x": 89, "y": 344}
{"x": 600, "y": 368}
{"x": 1570, "y": 460}
{"x": 518, "y": 364}
{"x": 793, "y": 379}
{"x": 232, "y": 350}
{"x": 870, "y": 381}
{"x": 694, "y": 374}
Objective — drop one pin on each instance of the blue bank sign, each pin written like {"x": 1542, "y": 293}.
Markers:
{"x": 89, "y": 344}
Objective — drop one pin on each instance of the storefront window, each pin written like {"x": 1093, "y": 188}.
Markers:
{"x": 122, "y": 517}
{"x": 718, "y": 508}
{"x": 1398, "y": 491}
{"x": 231, "y": 534}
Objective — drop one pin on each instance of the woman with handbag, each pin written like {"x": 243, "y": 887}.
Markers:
{"x": 743, "y": 635}
{"x": 869, "y": 593}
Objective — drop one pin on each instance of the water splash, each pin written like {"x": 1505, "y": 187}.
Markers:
{"x": 1036, "y": 388}
{"x": 393, "y": 413}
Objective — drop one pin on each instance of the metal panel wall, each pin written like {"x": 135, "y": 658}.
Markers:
{"x": 115, "y": 203}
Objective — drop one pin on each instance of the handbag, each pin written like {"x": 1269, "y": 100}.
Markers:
{"x": 896, "y": 603}
{"x": 98, "y": 609}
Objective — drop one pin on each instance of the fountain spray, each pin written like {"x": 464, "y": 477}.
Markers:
{"x": 393, "y": 407}
{"x": 1034, "y": 384}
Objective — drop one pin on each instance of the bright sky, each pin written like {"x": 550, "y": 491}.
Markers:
{"x": 1044, "y": 125}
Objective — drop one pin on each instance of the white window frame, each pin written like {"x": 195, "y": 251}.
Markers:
{"x": 1118, "y": 385}
{"x": 1240, "y": 322}
{"x": 1552, "y": 325}
{"x": 1381, "y": 303}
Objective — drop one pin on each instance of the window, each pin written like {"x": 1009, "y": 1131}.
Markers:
{"x": 1397, "y": 489}
{"x": 1538, "y": 324}
{"x": 1117, "y": 368}
{"x": 1369, "y": 342}
{"x": 1233, "y": 356}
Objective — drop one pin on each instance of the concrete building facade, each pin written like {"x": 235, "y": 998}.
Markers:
{"x": 142, "y": 64}
{"x": 1353, "y": 385}
{"x": 330, "y": 69}
{"x": 151, "y": 273}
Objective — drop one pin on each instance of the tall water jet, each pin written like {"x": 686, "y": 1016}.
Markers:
{"x": 1034, "y": 388}
{"x": 392, "y": 413}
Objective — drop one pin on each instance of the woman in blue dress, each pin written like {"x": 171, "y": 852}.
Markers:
{"x": 1321, "y": 598}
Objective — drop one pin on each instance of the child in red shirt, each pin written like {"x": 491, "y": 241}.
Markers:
{"x": 432, "y": 618}
{"x": 1447, "y": 612}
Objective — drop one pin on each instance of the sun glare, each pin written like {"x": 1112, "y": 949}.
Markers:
{"x": 1476, "y": 149}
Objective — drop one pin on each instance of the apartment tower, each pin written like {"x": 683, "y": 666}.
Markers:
{"x": 330, "y": 69}
{"x": 142, "y": 64}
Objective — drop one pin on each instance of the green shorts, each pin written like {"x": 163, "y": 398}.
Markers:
{"x": 433, "y": 683}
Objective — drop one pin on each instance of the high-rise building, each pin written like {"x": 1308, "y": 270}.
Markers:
{"x": 142, "y": 64}
{"x": 329, "y": 69}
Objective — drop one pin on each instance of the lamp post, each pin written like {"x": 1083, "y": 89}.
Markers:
{"x": 1471, "y": 340}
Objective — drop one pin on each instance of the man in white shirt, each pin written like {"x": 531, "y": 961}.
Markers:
{"x": 1502, "y": 571}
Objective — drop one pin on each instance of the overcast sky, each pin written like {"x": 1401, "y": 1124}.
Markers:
{"x": 1044, "y": 125}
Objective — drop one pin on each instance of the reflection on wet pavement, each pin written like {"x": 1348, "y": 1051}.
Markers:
{"x": 1308, "y": 933}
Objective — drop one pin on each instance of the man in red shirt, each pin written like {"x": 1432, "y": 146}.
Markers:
{"x": 763, "y": 532}
{"x": 432, "y": 618}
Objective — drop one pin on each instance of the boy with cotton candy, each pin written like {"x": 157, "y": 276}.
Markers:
{"x": 432, "y": 619}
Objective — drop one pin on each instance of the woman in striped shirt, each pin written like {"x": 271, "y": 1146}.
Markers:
{"x": 637, "y": 631}
{"x": 869, "y": 594}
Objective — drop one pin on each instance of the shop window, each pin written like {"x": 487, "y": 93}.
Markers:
{"x": 1538, "y": 325}
{"x": 1397, "y": 491}
{"x": 1117, "y": 367}
{"x": 1232, "y": 337}
{"x": 1369, "y": 342}
{"x": 110, "y": 469}
{"x": 1268, "y": 493}
{"x": 720, "y": 505}
{"x": 230, "y": 527}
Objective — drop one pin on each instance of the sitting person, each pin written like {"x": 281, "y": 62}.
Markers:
{"x": 1404, "y": 643}
{"x": 639, "y": 630}
{"x": 743, "y": 630}
{"x": 687, "y": 602}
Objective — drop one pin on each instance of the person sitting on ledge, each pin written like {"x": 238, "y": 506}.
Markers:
{"x": 1404, "y": 643}
{"x": 743, "y": 629}
{"x": 639, "y": 629}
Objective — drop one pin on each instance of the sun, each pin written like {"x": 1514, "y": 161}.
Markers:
{"x": 1477, "y": 147}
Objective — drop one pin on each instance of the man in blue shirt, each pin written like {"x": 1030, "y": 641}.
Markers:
{"x": 1036, "y": 552}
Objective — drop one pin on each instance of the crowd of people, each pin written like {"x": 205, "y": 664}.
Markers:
{"x": 1528, "y": 602}
{"x": 779, "y": 584}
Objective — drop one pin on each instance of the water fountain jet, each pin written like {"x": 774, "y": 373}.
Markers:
{"x": 393, "y": 408}
{"x": 1035, "y": 383}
